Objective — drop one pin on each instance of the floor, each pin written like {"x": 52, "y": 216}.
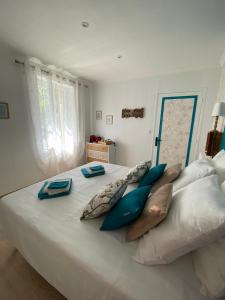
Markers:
{"x": 19, "y": 281}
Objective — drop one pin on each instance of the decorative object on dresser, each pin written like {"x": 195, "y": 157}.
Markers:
{"x": 95, "y": 138}
{"x": 4, "y": 110}
{"x": 106, "y": 142}
{"x": 133, "y": 113}
{"x": 214, "y": 136}
{"x": 100, "y": 152}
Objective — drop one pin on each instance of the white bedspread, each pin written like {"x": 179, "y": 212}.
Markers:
{"x": 79, "y": 260}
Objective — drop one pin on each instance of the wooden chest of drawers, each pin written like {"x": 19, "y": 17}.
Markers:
{"x": 100, "y": 152}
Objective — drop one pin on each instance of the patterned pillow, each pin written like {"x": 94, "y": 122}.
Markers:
{"x": 105, "y": 199}
{"x": 138, "y": 171}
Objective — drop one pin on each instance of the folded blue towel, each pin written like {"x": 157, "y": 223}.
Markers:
{"x": 59, "y": 184}
{"x": 88, "y": 174}
{"x": 97, "y": 168}
{"x": 42, "y": 194}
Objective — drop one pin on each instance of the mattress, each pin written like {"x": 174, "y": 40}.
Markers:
{"x": 79, "y": 260}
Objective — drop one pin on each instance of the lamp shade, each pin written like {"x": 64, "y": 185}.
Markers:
{"x": 219, "y": 109}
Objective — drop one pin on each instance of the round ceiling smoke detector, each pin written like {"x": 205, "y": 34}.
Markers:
{"x": 85, "y": 24}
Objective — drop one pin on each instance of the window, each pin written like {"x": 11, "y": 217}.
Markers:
{"x": 56, "y": 118}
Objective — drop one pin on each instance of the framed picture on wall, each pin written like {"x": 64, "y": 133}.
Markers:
{"x": 4, "y": 110}
{"x": 98, "y": 115}
{"x": 109, "y": 119}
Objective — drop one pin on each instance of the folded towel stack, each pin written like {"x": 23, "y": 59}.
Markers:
{"x": 93, "y": 171}
{"x": 57, "y": 188}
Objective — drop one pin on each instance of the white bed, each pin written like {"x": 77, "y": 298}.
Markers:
{"x": 79, "y": 260}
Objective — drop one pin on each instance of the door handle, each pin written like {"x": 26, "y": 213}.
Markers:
{"x": 157, "y": 141}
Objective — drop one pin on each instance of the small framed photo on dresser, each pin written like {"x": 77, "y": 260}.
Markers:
{"x": 4, "y": 110}
{"x": 98, "y": 115}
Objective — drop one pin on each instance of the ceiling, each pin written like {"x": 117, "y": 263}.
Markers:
{"x": 154, "y": 37}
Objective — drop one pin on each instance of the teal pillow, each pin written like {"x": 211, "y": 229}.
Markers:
{"x": 152, "y": 175}
{"x": 127, "y": 209}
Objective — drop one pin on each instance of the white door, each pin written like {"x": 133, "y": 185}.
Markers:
{"x": 177, "y": 121}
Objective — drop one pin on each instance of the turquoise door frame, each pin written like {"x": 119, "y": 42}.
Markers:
{"x": 158, "y": 139}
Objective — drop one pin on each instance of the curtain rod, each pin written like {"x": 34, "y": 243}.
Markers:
{"x": 22, "y": 63}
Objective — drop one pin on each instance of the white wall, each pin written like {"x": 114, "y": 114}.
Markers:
{"x": 135, "y": 137}
{"x": 17, "y": 164}
{"x": 134, "y": 143}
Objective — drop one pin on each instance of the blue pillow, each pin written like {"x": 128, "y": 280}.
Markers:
{"x": 127, "y": 209}
{"x": 152, "y": 175}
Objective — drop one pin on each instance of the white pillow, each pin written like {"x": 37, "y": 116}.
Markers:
{"x": 209, "y": 265}
{"x": 197, "y": 169}
{"x": 219, "y": 154}
{"x": 218, "y": 162}
{"x": 196, "y": 217}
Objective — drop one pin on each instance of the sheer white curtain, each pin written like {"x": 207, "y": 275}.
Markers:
{"x": 57, "y": 118}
